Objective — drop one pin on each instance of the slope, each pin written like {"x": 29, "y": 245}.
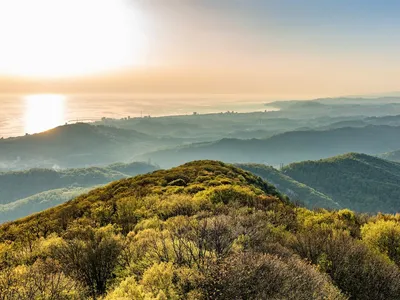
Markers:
{"x": 360, "y": 182}
{"x": 298, "y": 192}
{"x": 21, "y": 184}
{"x": 39, "y": 202}
{"x": 204, "y": 230}
{"x": 26, "y": 192}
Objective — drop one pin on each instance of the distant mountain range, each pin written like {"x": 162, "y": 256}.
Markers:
{"x": 76, "y": 145}
{"x": 294, "y": 146}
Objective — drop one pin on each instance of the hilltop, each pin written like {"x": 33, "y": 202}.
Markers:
{"x": 191, "y": 178}
{"x": 204, "y": 230}
{"x": 357, "y": 181}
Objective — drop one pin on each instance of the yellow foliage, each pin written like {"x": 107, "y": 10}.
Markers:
{"x": 383, "y": 236}
{"x": 158, "y": 281}
{"x": 127, "y": 290}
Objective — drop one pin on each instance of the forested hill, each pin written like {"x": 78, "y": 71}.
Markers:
{"x": 21, "y": 184}
{"x": 297, "y": 191}
{"x": 294, "y": 146}
{"x": 205, "y": 230}
{"x": 25, "y": 192}
{"x": 357, "y": 181}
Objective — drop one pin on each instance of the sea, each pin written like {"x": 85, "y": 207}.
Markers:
{"x": 19, "y": 113}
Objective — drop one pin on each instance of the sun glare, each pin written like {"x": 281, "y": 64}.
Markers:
{"x": 47, "y": 38}
{"x": 44, "y": 112}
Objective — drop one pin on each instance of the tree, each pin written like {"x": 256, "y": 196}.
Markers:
{"x": 90, "y": 255}
{"x": 42, "y": 280}
{"x": 383, "y": 236}
{"x": 257, "y": 276}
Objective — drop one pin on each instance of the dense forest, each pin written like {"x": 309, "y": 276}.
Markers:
{"x": 204, "y": 230}
{"x": 298, "y": 192}
{"x": 356, "y": 181}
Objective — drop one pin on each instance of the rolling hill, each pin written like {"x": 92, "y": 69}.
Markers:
{"x": 298, "y": 192}
{"x": 39, "y": 202}
{"x": 204, "y": 230}
{"x": 294, "y": 146}
{"x": 76, "y": 145}
{"x": 25, "y": 192}
{"x": 357, "y": 181}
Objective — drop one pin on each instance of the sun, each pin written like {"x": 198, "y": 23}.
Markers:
{"x": 50, "y": 38}
{"x": 44, "y": 112}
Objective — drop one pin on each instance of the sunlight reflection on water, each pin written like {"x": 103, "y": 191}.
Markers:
{"x": 34, "y": 113}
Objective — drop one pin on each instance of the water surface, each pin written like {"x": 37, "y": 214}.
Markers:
{"x": 21, "y": 114}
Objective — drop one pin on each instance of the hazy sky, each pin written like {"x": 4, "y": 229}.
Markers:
{"x": 280, "y": 48}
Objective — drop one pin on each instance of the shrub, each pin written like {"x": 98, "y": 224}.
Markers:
{"x": 383, "y": 236}
{"x": 256, "y": 276}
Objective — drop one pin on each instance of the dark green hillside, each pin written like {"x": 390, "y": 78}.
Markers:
{"x": 21, "y": 184}
{"x": 298, "y": 192}
{"x": 25, "y": 192}
{"x": 204, "y": 230}
{"x": 360, "y": 182}
{"x": 39, "y": 202}
{"x": 191, "y": 179}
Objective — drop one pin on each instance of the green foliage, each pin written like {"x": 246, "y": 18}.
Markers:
{"x": 356, "y": 181}
{"x": 355, "y": 269}
{"x": 90, "y": 255}
{"x": 42, "y": 280}
{"x": 225, "y": 234}
{"x": 297, "y": 191}
{"x": 27, "y": 192}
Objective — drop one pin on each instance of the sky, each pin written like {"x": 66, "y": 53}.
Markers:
{"x": 277, "y": 48}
